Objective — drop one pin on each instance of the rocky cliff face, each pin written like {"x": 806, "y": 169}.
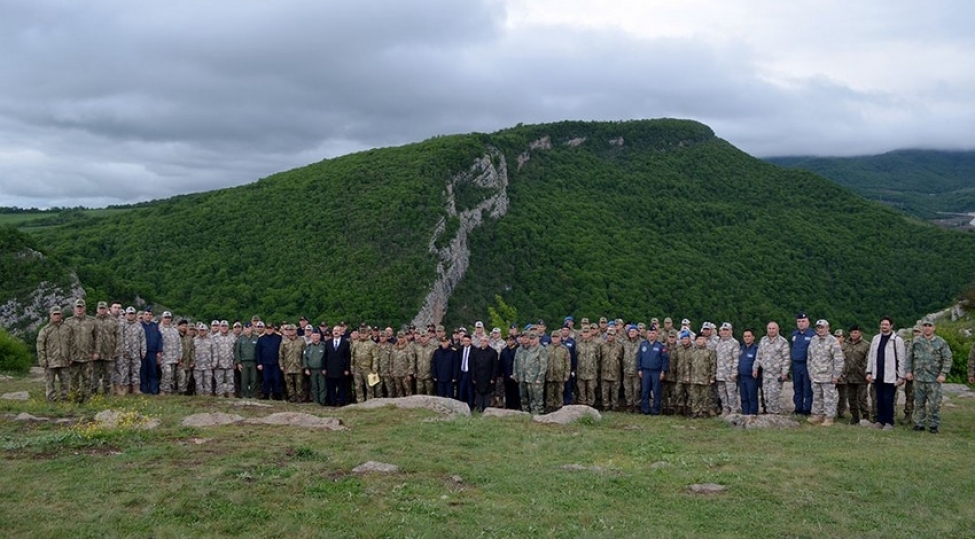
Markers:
{"x": 490, "y": 174}
{"x": 27, "y": 314}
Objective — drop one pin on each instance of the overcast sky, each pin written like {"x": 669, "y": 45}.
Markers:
{"x": 108, "y": 102}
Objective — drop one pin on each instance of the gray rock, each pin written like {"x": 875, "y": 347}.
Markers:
{"x": 866, "y": 423}
{"x": 955, "y": 388}
{"x": 16, "y": 396}
{"x": 111, "y": 419}
{"x": 706, "y": 489}
{"x": 457, "y": 479}
{"x": 211, "y": 419}
{"x": 660, "y": 465}
{"x": 299, "y": 419}
{"x": 492, "y": 412}
{"x": 251, "y": 403}
{"x": 25, "y": 417}
{"x": 568, "y": 415}
{"x": 434, "y": 403}
{"x": 577, "y": 467}
{"x": 375, "y": 467}
{"x": 764, "y": 421}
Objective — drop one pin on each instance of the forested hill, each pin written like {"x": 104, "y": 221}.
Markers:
{"x": 923, "y": 183}
{"x": 631, "y": 219}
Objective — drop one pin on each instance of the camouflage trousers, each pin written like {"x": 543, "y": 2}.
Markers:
{"x": 425, "y": 387}
{"x": 532, "y": 397}
{"x": 824, "y": 399}
{"x": 611, "y": 394}
{"x": 853, "y": 397}
{"x": 102, "y": 372}
{"x": 772, "y": 387}
{"x": 62, "y": 375}
{"x": 675, "y": 395}
{"x": 928, "y": 398}
{"x": 167, "y": 384}
{"x": 224, "y": 385}
{"x": 909, "y": 396}
{"x": 292, "y": 386}
{"x": 728, "y": 395}
{"x": 700, "y": 399}
{"x": 553, "y": 394}
{"x": 360, "y": 381}
{"x": 402, "y": 384}
{"x": 631, "y": 389}
{"x": 386, "y": 387}
{"x": 497, "y": 397}
{"x": 127, "y": 372}
{"x": 204, "y": 381}
{"x": 586, "y": 392}
{"x": 80, "y": 387}
{"x": 183, "y": 379}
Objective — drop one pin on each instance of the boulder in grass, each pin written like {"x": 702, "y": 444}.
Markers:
{"x": 375, "y": 467}
{"x": 437, "y": 404}
{"x": 568, "y": 414}
{"x": 211, "y": 419}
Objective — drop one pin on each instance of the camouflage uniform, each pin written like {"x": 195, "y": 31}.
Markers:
{"x": 185, "y": 367}
{"x": 726, "y": 352}
{"x": 386, "y": 386}
{"x": 825, "y": 364}
{"x": 631, "y": 380}
{"x": 53, "y": 355}
{"x": 698, "y": 373}
{"x": 223, "y": 363}
{"x": 132, "y": 346}
{"x": 103, "y": 369}
{"x": 909, "y": 392}
{"x": 557, "y": 374}
{"x": 678, "y": 398}
{"x": 245, "y": 355}
{"x": 929, "y": 359}
{"x": 531, "y": 363}
{"x": 611, "y": 359}
{"x": 85, "y": 343}
{"x": 203, "y": 354}
{"x": 774, "y": 360}
{"x": 587, "y": 371}
{"x": 854, "y": 393}
{"x": 403, "y": 367}
{"x": 365, "y": 360}
{"x": 424, "y": 379}
{"x": 172, "y": 350}
{"x": 290, "y": 355}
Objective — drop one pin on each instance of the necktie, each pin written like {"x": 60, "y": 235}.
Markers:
{"x": 466, "y": 352}
{"x": 336, "y": 344}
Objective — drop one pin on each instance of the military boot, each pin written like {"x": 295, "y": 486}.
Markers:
{"x": 136, "y": 391}
{"x": 828, "y": 421}
{"x": 815, "y": 419}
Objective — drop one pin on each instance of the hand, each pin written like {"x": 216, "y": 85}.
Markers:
{"x": 260, "y": 367}
{"x": 734, "y": 378}
{"x": 346, "y": 373}
{"x": 755, "y": 374}
{"x": 940, "y": 379}
{"x": 663, "y": 375}
{"x": 95, "y": 356}
{"x": 870, "y": 378}
{"x": 900, "y": 382}
{"x": 240, "y": 367}
{"x": 307, "y": 372}
{"x": 971, "y": 380}
{"x": 909, "y": 376}
{"x": 835, "y": 380}
{"x": 639, "y": 373}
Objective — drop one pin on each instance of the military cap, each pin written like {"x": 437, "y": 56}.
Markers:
{"x": 568, "y": 318}
{"x": 102, "y": 304}
{"x": 513, "y": 325}
{"x": 130, "y": 309}
{"x": 668, "y": 320}
{"x": 462, "y": 330}
{"x": 839, "y": 332}
{"x": 654, "y": 320}
{"x": 801, "y": 315}
{"x": 652, "y": 328}
{"x": 641, "y": 326}
{"x": 927, "y": 321}
{"x": 556, "y": 334}
{"x": 401, "y": 333}
{"x": 202, "y": 326}
{"x": 479, "y": 324}
{"x": 585, "y": 320}
{"x": 685, "y": 334}
{"x": 726, "y": 326}
{"x": 603, "y": 319}
{"x": 148, "y": 309}
{"x": 532, "y": 334}
{"x": 56, "y": 310}
{"x": 541, "y": 322}
{"x": 238, "y": 325}
{"x": 612, "y": 324}
{"x": 822, "y": 322}
{"x": 611, "y": 331}
{"x": 80, "y": 303}
{"x": 686, "y": 322}
{"x": 260, "y": 324}
{"x": 184, "y": 321}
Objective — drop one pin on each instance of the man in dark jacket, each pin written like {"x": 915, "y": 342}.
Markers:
{"x": 483, "y": 373}
{"x": 506, "y": 368}
{"x": 149, "y": 370}
{"x": 268, "y": 350}
{"x": 445, "y": 368}
{"x": 338, "y": 366}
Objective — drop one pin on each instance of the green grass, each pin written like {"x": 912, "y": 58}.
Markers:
{"x": 275, "y": 481}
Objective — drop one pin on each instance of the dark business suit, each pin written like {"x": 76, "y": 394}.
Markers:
{"x": 484, "y": 369}
{"x": 465, "y": 390}
{"x": 338, "y": 361}
{"x": 444, "y": 369}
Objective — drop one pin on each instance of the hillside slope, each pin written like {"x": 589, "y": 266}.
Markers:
{"x": 635, "y": 219}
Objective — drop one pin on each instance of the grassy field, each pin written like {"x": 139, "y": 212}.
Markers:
{"x": 273, "y": 481}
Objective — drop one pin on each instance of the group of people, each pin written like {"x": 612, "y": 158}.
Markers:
{"x": 651, "y": 368}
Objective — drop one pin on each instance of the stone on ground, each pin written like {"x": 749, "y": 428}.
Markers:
{"x": 251, "y": 403}
{"x": 502, "y": 413}
{"x": 568, "y": 414}
{"x": 16, "y": 396}
{"x": 299, "y": 419}
{"x": 763, "y": 421}
{"x": 434, "y": 403}
{"x": 375, "y": 467}
{"x": 211, "y": 419}
{"x": 706, "y": 489}
{"x": 27, "y": 417}
{"x": 111, "y": 419}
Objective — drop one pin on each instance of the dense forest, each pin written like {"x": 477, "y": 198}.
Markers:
{"x": 632, "y": 219}
{"x": 923, "y": 183}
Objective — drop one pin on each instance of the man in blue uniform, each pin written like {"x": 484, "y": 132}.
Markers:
{"x": 652, "y": 363}
{"x": 801, "y": 384}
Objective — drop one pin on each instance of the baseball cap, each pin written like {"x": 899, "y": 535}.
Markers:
{"x": 102, "y": 304}
{"x": 839, "y": 332}
{"x": 202, "y": 326}
{"x": 130, "y": 309}
{"x": 801, "y": 315}
{"x": 478, "y": 324}
{"x": 309, "y": 328}
{"x": 56, "y": 310}
{"x": 685, "y": 321}
{"x": 495, "y": 330}
{"x": 80, "y": 303}
{"x": 726, "y": 326}
{"x": 822, "y": 322}
{"x": 167, "y": 314}
{"x": 568, "y": 318}
{"x": 685, "y": 334}
{"x": 927, "y": 321}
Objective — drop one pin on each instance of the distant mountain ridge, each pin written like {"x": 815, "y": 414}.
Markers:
{"x": 632, "y": 219}
{"x": 923, "y": 183}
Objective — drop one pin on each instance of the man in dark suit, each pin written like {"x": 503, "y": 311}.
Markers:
{"x": 484, "y": 369}
{"x": 465, "y": 390}
{"x": 444, "y": 367}
{"x": 338, "y": 364}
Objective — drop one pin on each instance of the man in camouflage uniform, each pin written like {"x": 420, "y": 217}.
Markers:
{"x": 909, "y": 392}
{"x": 54, "y": 356}
{"x": 677, "y": 399}
{"x": 223, "y": 360}
{"x": 587, "y": 369}
{"x": 928, "y": 366}
{"x": 103, "y": 369}
{"x": 557, "y": 372}
{"x": 184, "y": 369}
{"x": 531, "y": 363}
{"x": 698, "y": 374}
{"x": 403, "y": 365}
{"x": 132, "y": 344}
{"x": 424, "y": 356}
{"x": 172, "y": 350}
{"x": 726, "y": 352}
{"x": 290, "y": 356}
{"x": 203, "y": 354}
{"x": 773, "y": 359}
{"x": 384, "y": 353}
{"x": 611, "y": 359}
{"x": 855, "y": 352}
{"x": 85, "y": 343}
{"x": 365, "y": 360}
{"x": 631, "y": 379}
{"x": 825, "y": 364}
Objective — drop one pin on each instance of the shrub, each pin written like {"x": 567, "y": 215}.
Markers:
{"x": 14, "y": 354}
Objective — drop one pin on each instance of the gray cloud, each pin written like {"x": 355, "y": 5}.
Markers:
{"x": 110, "y": 102}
